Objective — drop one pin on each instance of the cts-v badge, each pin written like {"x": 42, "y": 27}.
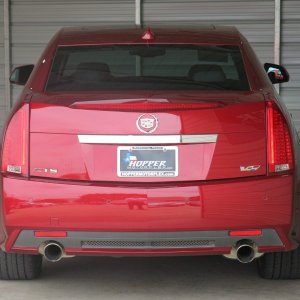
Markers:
{"x": 46, "y": 170}
{"x": 249, "y": 168}
{"x": 147, "y": 123}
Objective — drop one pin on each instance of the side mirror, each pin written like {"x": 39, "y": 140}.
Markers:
{"x": 21, "y": 74}
{"x": 277, "y": 73}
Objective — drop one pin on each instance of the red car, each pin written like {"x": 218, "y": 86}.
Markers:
{"x": 132, "y": 142}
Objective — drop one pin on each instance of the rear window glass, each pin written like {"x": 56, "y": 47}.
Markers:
{"x": 147, "y": 67}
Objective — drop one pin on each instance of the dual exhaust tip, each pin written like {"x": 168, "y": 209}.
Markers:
{"x": 244, "y": 251}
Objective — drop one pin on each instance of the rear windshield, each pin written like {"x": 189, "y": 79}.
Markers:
{"x": 147, "y": 67}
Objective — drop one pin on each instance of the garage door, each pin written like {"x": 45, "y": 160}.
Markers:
{"x": 255, "y": 19}
{"x": 34, "y": 23}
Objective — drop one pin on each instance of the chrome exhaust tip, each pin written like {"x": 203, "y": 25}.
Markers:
{"x": 245, "y": 251}
{"x": 52, "y": 251}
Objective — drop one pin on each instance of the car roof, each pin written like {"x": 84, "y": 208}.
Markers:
{"x": 95, "y": 35}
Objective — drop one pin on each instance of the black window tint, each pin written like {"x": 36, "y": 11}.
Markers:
{"x": 147, "y": 67}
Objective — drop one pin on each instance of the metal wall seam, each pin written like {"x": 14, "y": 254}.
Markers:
{"x": 138, "y": 13}
{"x": 7, "y": 54}
{"x": 277, "y": 36}
{"x": 138, "y": 23}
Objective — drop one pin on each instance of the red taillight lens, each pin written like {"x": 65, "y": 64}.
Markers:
{"x": 280, "y": 150}
{"x": 15, "y": 145}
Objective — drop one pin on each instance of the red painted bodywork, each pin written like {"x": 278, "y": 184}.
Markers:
{"x": 242, "y": 138}
{"x": 210, "y": 193}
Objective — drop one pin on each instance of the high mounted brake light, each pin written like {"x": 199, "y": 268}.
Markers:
{"x": 15, "y": 145}
{"x": 280, "y": 150}
{"x": 148, "y": 35}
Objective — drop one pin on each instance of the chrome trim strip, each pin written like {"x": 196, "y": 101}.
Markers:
{"x": 147, "y": 139}
{"x": 198, "y": 138}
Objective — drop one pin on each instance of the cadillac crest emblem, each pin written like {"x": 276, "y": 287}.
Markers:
{"x": 147, "y": 123}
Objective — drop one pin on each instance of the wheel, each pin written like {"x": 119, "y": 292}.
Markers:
{"x": 14, "y": 266}
{"x": 280, "y": 265}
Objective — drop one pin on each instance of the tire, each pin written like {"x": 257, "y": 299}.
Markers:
{"x": 14, "y": 266}
{"x": 280, "y": 265}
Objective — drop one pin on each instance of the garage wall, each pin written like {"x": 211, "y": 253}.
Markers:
{"x": 255, "y": 19}
{"x": 33, "y": 22}
{"x": 2, "y": 100}
{"x": 291, "y": 56}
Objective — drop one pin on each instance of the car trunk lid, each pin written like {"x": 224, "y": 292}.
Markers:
{"x": 175, "y": 136}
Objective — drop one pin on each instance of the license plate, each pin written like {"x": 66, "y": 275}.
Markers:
{"x": 147, "y": 161}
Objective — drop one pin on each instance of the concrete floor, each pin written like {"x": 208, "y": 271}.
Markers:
{"x": 149, "y": 278}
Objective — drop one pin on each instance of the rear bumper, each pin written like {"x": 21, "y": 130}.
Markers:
{"x": 170, "y": 219}
{"x": 116, "y": 243}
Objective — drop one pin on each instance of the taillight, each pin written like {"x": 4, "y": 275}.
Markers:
{"x": 280, "y": 150}
{"x": 15, "y": 144}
